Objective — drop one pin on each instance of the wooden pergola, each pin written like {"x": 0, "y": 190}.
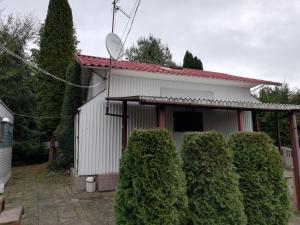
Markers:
{"x": 238, "y": 106}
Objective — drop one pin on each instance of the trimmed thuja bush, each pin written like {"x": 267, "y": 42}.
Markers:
{"x": 212, "y": 184}
{"x": 262, "y": 182}
{"x": 151, "y": 187}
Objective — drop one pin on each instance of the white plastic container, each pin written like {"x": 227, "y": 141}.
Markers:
{"x": 90, "y": 184}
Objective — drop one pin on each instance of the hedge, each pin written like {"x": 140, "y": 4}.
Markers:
{"x": 212, "y": 184}
{"x": 262, "y": 182}
{"x": 151, "y": 188}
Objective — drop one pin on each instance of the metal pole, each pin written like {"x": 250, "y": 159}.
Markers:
{"x": 255, "y": 124}
{"x": 124, "y": 126}
{"x": 240, "y": 120}
{"x": 278, "y": 131}
{"x": 295, "y": 154}
{"x": 110, "y": 59}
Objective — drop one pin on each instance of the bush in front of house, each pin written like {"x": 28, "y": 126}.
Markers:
{"x": 212, "y": 184}
{"x": 262, "y": 183}
{"x": 151, "y": 188}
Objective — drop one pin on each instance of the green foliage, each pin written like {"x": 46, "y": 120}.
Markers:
{"x": 192, "y": 62}
{"x": 27, "y": 152}
{"x": 267, "y": 120}
{"x": 151, "y": 187}
{"x": 212, "y": 184}
{"x": 150, "y": 50}
{"x": 262, "y": 182}
{"x": 57, "y": 47}
{"x": 17, "y": 89}
{"x": 71, "y": 103}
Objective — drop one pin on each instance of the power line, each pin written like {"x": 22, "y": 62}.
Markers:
{"x": 135, "y": 12}
{"x": 136, "y": 7}
{"x": 131, "y": 14}
{"x": 44, "y": 71}
{"x": 41, "y": 117}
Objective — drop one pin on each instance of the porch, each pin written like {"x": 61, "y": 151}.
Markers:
{"x": 245, "y": 114}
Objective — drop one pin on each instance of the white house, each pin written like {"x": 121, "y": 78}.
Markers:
{"x": 6, "y": 135}
{"x": 139, "y": 95}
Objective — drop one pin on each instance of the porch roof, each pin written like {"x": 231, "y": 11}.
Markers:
{"x": 207, "y": 103}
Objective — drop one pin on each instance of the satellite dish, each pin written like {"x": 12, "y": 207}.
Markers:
{"x": 5, "y": 120}
{"x": 114, "y": 46}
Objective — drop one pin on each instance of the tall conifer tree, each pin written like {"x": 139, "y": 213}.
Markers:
{"x": 192, "y": 62}
{"x": 57, "y": 47}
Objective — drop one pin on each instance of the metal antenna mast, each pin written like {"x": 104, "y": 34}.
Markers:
{"x": 110, "y": 59}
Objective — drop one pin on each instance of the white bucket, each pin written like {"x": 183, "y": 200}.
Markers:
{"x": 90, "y": 184}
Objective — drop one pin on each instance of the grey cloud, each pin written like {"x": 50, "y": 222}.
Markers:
{"x": 259, "y": 38}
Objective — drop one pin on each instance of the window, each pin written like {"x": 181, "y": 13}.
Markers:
{"x": 6, "y": 134}
{"x": 188, "y": 121}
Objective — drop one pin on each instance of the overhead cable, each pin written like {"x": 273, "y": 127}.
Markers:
{"x": 44, "y": 71}
{"x": 41, "y": 117}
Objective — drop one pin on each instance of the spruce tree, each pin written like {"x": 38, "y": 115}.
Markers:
{"x": 188, "y": 60}
{"x": 57, "y": 47}
{"x": 72, "y": 101}
{"x": 192, "y": 62}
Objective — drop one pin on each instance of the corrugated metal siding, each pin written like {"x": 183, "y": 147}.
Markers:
{"x": 100, "y": 135}
{"x": 99, "y": 138}
{"x": 98, "y": 149}
{"x": 5, "y": 164}
{"x": 92, "y": 92}
{"x": 130, "y": 86}
{"x": 5, "y": 145}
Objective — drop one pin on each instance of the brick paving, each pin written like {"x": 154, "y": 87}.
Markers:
{"x": 49, "y": 200}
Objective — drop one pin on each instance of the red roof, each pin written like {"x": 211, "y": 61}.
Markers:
{"x": 86, "y": 60}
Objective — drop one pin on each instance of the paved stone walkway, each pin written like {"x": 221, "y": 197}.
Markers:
{"x": 49, "y": 200}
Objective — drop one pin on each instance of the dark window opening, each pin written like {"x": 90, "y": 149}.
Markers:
{"x": 188, "y": 121}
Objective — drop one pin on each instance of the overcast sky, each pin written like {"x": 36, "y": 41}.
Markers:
{"x": 255, "y": 38}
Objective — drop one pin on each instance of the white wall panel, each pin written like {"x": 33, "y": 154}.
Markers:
{"x": 130, "y": 86}
{"x": 99, "y": 145}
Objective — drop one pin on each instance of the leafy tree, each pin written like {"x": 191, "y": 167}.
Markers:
{"x": 18, "y": 85}
{"x": 267, "y": 120}
{"x": 57, "y": 47}
{"x": 150, "y": 50}
{"x": 71, "y": 103}
{"x": 151, "y": 187}
{"x": 262, "y": 183}
{"x": 192, "y": 62}
{"x": 212, "y": 184}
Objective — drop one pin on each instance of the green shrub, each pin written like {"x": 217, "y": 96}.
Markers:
{"x": 262, "y": 182}
{"x": 212, "y": 184}
{"x": 28, "y": 152}
{"x": 151, "y": 187}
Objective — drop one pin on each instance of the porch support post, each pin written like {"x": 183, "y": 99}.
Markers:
{"x": 255, "y": 121}
{"x": 161, "y": 117}
{"x": 278, "y": 131}
{"x": 124, "y": 125}
{"x": 240, "y": 120}
{"x": 295, "y": 154}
